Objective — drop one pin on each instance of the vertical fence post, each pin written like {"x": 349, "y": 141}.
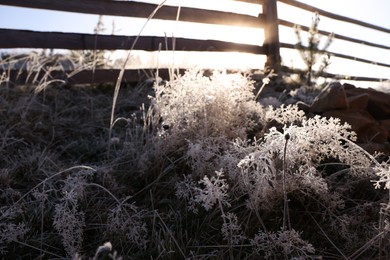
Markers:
{"x": 271, "y": 34}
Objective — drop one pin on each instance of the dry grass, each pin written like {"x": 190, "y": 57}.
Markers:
{"x": 63, "y": 194}
{"x": 45, "y": 133}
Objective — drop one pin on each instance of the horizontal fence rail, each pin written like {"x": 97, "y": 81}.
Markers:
{"x": 267, "y": 20}
{"x": 78, "y": 41}
{"x": 340, "y": 18}
{"x": 333, "y": 16}
{"x": 292, "y": 46}
{"x": 97, "y": 76}
{"x": 141, "y": 10}
{"x": 337, "y": 36}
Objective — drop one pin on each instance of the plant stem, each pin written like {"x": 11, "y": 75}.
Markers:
{"x": 286, "y": 216}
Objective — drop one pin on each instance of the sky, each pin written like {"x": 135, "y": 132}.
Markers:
{"x": 373, "y": 11}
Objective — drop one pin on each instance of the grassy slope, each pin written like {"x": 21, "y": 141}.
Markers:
{"x": 64, "y": 126}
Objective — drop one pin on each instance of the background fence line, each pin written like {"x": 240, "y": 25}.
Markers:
{"x": 80, "y": 41}
{"x": 141, "y": 10}
{"x": 333, "y": 16}
{"x": 268, "y": 20}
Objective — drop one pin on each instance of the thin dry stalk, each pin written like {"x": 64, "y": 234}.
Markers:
{"x": 158, "y": 63}
{"x": 51, "y": 177}
{"x": 383, "y": 213}
{"x": 265, "y": 82}
{"x": 122, "y": 71}
{"x": 327, "y": 237}
{"x": 366, "y": 246}
{"x": 172, "y": 70}
{"x": 286, "y": 215}
{"x": 170, "y": 234}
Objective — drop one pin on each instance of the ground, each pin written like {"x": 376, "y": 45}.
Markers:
{"x": 60, "y": 136}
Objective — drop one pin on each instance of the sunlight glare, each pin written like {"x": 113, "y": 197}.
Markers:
{"x": 187, "y": 60}
{"x": 179, "y": 29}
{"x": 219, "y": 5}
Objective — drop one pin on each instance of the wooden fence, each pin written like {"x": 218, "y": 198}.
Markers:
{"x": 268, "y": 20}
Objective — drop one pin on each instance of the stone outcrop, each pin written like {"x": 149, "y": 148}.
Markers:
{"x": 366, "y": 110}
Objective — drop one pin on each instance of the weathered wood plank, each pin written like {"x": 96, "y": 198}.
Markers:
{"x": 100, "y": 76}
{"x": 141, "y": 10}
{"x": 340, "y": 55}
{"x": 338, "y": 76}
{"x": 260, "y": 2}
{"x": 110, "y": 76}
{"x": 337, "y": 36}
{"x": 334, "y": 16}
{"x": 271, "y": 33}
{"x": 97, "y": 76}
{"x": 77, "y": 41}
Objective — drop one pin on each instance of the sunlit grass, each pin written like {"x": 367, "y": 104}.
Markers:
{"x": 191, "y": 167}
{"x": 182, "y": 178}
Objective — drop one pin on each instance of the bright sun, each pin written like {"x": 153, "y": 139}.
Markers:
{"x": 245, "y": 35}
{"x": 237, "y": 34}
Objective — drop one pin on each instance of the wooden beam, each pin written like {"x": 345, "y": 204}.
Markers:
{"x": 260, "y": 2}
{"x": 97, "y": 76}
{"x": 337, "y": 76}
{"x": 135, "y": 75}
{"x": 339, "y": 55}
{"x": 140, "y": 10}
{"x": 271, "y": 33}
{"x": 337, "y": 36}
{"x": 77, "y": 41}
{"x": 100, "y": 76}
{"x": 334, "y": 16}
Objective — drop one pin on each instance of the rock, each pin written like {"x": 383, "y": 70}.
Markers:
{"x": 386, "y": 125}
{"x": 366, "y": 110}
{"x": 270, "y": 101}
{"x": 303, "y": 106}
{"x": 378, "y": 104}
{"x": 367, "y": 128}
{"x": 348, "y": 86}
{"x": 377, "y": 148}
{"x": 358, "y": 102}
{"x": 332, "y": 97}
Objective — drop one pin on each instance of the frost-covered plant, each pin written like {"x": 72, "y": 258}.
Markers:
{"x": 68, "y": 199}
{"x": 68, "y": 219}
{"x": 284, "y": 115}
{"x": 11, "y": 229}
{"x": 311, "y": 143}
{"x": 69, "y": 222}
{"x": 233, "y": 183}
{"x": 313, "y": 51}
{"x": 11, "y": 232}
{"x": 211, "y": 191}
{"x": 283, "y": 244}
{"x": 231, "y": 230}
{"x": 186, "y": 189}
{"x": 206, "y": 154}
{"x": 317, "y": 139}
{"x": 383, "y": 172}
{"x": 194, "y": 105}
{"x": 126, "y": 219}
{"x": 260, "y": 172}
